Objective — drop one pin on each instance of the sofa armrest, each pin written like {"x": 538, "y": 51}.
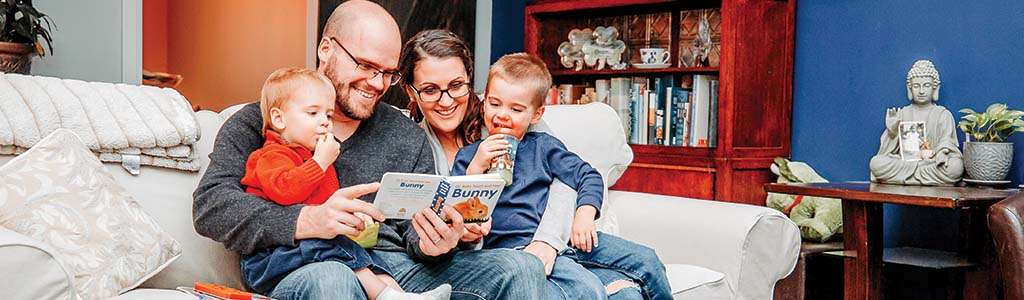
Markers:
{"x": 32, "y": 270}
{"x": 753, "y": 246}
{"x": 1004, "y": 222}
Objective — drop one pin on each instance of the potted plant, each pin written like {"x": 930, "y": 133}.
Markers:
{"x": 21, "y": 27}
{"x": 988, "y": 156}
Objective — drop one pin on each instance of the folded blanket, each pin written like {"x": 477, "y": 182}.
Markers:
{"x": 156, "y": 124}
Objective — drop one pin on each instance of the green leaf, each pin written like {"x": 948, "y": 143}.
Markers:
{"x": 971, "y": 118}
{"x": 966, "y": 128}
{"x": 968, "y": 111}
{"x": 1001, "y": 125}
{"x": 995, "y": 109}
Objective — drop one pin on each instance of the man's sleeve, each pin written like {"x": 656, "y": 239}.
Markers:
{"x": 222, "y": 210}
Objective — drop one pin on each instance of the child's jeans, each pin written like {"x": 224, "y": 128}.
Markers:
{"x": 263, "y": 270}
{"x": 616, "y": 258}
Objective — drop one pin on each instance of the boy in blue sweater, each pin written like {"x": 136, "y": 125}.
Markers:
{"x": 516, "y": 87}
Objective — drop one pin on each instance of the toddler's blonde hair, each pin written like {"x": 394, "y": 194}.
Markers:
{"x": 525, "y": 70}
{"x": 282, "y": 83}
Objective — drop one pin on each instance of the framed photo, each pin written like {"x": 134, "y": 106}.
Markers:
{"x": 912, "y": 138}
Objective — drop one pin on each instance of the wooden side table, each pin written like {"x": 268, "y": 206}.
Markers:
{"x": 862, "y": 233}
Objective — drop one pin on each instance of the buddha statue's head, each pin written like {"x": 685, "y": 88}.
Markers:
{"x": 923, "y": 83}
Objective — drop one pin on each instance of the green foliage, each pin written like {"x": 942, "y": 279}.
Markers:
{"x": 995, "y": 124}
{"x": 20, "y": 22}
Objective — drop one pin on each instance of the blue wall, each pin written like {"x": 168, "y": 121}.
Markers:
{"x": 851, "y": 63}
{"x": 507, "y": 22}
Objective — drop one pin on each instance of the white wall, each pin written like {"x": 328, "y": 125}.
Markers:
{"x": 95, "y": 40}
{"x": 482, "y": 38}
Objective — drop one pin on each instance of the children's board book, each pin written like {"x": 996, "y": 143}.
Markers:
{"x": 403, "y": 194}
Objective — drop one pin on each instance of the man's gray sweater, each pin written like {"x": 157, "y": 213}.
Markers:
{"x": 224, "y": 212}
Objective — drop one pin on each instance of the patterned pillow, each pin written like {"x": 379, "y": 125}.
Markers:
{"x": 59, "y": 193}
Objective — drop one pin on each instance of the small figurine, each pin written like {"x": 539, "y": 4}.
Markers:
{"x": 702, "y": 43}
{"x": 941, "y": 162}
{"x": 571, "y": 51}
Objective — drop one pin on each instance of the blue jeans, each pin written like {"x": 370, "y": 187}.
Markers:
{"x": 571, "y": 281}
{"x": 616, "y": 258}
{"x": 263, "y": 269}
{"x": 483, "y": 274}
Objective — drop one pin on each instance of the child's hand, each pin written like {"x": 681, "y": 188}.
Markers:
{"x": 584, "y": 232}
{"x": 490, "y": 148}
{"x": 545, "y": 253}
{"x": 474, "y": 232}
{"x": 367, "y": 220}
{"x": 326, "y": 151}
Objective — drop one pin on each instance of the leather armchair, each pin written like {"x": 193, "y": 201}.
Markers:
{"x": 1005, "y": 223}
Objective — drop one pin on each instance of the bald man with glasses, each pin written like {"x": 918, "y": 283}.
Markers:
{"x": 359, "y": 54}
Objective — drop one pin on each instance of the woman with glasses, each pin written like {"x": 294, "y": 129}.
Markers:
{"x": 437, "y": 66}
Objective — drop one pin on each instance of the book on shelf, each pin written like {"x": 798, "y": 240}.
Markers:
{"x": 701, "y": 110}
{"x": 675, "y": 115}
{"x": 635, "y": 115}
{"x": 713, "y": 116}
{"x": 652, "y": 118}
{"x": 618, "y": 99}
{"x": 403, "y": 194}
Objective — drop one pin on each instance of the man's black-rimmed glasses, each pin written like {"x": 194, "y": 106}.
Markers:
{"x": 390, "y": 77}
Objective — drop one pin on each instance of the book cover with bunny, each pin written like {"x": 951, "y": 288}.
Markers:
{"x": 474, "y": 196}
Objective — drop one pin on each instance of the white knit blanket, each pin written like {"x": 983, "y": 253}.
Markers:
{"x": 114, "y": 120}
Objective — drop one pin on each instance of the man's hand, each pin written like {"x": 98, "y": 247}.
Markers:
{"x": 338, "y": 216}
{"x": 436, "y": 237}
{"x": 545, "y": 253}
{"x": 474, "y": 232}
{"x": 490, "y": 148}
{"x": 584, "y": 232}
{"x": 326, "y": 151}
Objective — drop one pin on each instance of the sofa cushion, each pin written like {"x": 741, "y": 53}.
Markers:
{"x": 593, "y": 131}
{"x": 166, "y": 194}
{"x": 39, "y": 274}
{"x": 59, "y": 193}
{"x": 693, "y": 282}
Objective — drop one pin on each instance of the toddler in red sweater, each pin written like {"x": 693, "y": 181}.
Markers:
{"x": 295, "y": 166}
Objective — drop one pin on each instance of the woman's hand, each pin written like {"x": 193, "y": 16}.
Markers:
{"x": 545, "y": 253}
{"x": 475, "y": 232}
{"x": 493, "y": 146}
{"x": 584, "y": 232}
{"x": 436, "y": 237}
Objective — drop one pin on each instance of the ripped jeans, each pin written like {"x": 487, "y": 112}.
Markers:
{"x": 615, "y": 259}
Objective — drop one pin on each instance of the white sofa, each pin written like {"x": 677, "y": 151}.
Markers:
{"x": 713, "y": 250}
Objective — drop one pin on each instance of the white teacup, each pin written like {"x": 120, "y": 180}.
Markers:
{"x": 654, "y": 56}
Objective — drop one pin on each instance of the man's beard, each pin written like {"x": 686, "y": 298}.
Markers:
{"x": 341, "y": 98}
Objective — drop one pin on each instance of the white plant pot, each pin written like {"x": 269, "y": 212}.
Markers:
{"x": 987, "y": 161}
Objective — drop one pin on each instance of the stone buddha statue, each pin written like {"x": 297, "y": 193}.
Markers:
{"x": 940, "y": 161}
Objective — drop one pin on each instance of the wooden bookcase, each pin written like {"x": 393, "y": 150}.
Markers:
{"x": 755, "y": 73}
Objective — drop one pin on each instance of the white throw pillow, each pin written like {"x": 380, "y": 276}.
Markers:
{"x": 59, "y": 193}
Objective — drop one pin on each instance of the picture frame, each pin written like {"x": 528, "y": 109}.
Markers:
{"x": 912, "y": 137}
